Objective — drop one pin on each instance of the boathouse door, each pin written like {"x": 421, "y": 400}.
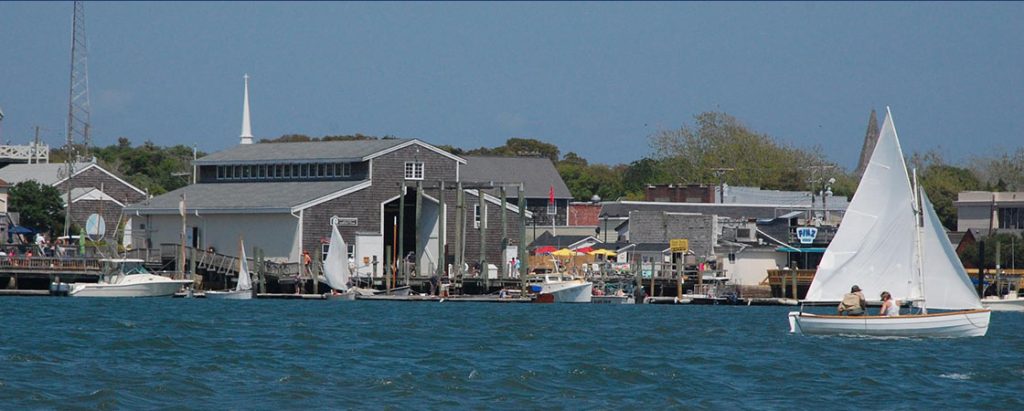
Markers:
{"x": 426, "y": 228}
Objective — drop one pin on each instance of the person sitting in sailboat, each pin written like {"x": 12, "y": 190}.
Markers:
{"x": 890, "y": 307}
{"x": 853, "y": 302}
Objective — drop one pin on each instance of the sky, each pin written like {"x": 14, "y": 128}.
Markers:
{"x": 597, "y": 79}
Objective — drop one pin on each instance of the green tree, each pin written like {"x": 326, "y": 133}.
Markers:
{"x": 943, "y": 183}
{"x": 1011, "y": 252}
{"x": 39, "y": 206}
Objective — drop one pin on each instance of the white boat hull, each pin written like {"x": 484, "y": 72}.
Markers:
{"x": 569, "y": 291}
{"x": 1004, "y": 304}
{"x": 612, "y": 299}
{"x": 137, "y": 285}
{"x": 970, "y": 323}
{"x": 229, "y": 295}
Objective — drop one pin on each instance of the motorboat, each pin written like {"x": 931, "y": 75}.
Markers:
{"x": 127, "y": 277}
{"x": 560, "y": 288}
{"x": 1009, "y": 302}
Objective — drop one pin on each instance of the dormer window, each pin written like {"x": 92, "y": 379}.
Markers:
{"x": 413, "y": 170}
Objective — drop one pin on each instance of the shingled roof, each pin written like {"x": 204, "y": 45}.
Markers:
{"x": 349, "y": 150}
{"x": 274, "y": 197}
{"x": 538, "y": 174}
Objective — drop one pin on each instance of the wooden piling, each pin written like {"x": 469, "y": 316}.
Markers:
{"x": 482, "y": 214}
{"x": 403, "y": 269}
{"x": 441, "y": 212}
{"x": 419, "y": 236}
{"x": 502, "y": 268}
{"x": 460, "y": 219}
{"x": 523, "y": 269}
{"x": 387, "y": 268}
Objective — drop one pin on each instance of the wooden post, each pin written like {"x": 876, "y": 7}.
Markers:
{"x": 374, "y": 273}
{"x": 419, "y": 235}
{"x": 315, "y": 269}
{"x": 523, "y": 269}
{"x": 403, "y": 269}
{"x": 503, "y": 268}
{"x": 482, "y": 213}
{"x": 441, "y": 213}
{"x": 795, "y": 295}
{"x": 653, "y": 271}
{"x": 387, "y": 268}
{"x": 679, "y": 280}
{"x": 460, "y": 219}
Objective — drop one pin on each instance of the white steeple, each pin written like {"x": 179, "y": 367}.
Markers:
{"x": 246, "y": 126}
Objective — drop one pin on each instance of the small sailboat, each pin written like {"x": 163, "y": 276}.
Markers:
{"x": 892, "y": 240}
{"x": 336, "y": 270}
{"x": 243, "y": 289}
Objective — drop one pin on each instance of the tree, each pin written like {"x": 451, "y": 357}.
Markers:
{"x": 39, "y": 206}
{"x": 943, "y": 184}
{"x": 692, "y": 154}
{"x": 1011, "y": 252}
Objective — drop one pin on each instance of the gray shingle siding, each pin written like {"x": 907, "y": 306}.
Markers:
{"x": 659, "y": 227}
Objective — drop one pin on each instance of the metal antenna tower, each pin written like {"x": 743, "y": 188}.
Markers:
{"x": 78, "y": 103}
{"x": 78, "y": 94}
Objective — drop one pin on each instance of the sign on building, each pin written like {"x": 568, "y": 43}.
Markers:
{"x": 679, "y": 245}
{"x": 344, "y": 221}
{"x": 806, "y": 234}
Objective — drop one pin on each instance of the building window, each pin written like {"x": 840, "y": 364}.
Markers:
{"x": 1011, "y": 218}
{"x": 237, "y": 173}
{"x": 263, "y": 171}
{"x": 324, "y": 248}
{"x": 220, "y": 172}
{"x": 476, "y": 216}
{"x": 413, "y": 170}
{"x": 345, "y": 170}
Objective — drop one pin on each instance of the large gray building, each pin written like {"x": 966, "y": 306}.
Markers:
{"x": 282, "y": 197}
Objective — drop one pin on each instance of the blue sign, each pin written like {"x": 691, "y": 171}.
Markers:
{"x": 806, "y": 234}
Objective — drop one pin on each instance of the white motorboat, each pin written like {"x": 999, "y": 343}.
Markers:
{"x": 127, "y": 277}
{"x": 892, "y": 240}
{"x": 1003, "y": 303}
{"x": 243, "y": 289}
{"x": 561, "y": 289}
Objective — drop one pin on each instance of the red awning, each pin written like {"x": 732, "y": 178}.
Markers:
{"x": 544, "y": 250}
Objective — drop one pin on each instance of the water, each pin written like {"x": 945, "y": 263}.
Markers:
{"x": 267, "y": 354}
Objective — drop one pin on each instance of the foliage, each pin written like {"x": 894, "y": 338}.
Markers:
{"x": 720, "y": 149}
{"x": 526, "y": 147}
{"x": 302, "y": 138}
{"x": 1011, "y": 252}
{"x": 943, "y": 183}
{"x": 1004, "y": 172}
{"x": 148, "y": 166}
{"x": 39, "y": 206}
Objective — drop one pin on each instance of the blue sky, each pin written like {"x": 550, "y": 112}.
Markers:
{"x": 594, "y": 78}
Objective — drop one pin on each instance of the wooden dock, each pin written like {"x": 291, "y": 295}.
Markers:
{"x": 452, "y": 299}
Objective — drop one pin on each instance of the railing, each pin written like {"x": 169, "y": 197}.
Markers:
{"x": 49, "y": 264}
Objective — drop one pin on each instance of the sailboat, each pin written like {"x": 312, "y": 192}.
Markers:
{"x": 243, "y": 289}
{"x": 336, "y": 270}
{"x": 891, "y": 240}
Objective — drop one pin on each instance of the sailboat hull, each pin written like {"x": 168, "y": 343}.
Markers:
{"x": 229, "y": 295}
{"x": 970, "y": 323}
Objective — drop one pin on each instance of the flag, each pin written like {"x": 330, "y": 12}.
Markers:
{"x": 551, "y": 195}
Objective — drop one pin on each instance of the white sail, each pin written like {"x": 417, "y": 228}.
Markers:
{"x": 244, "y": 280}
{"x": 336, "y": 270}
{"x": 946, "y": 284}
{"x": 874, "y": 247}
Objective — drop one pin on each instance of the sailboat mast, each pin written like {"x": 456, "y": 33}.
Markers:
{"x": 919, "y": 224}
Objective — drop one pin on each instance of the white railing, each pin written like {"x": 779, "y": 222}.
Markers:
{"x": 30, "y": 152}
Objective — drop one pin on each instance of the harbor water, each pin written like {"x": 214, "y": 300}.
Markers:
{"x": 273, "y": 354}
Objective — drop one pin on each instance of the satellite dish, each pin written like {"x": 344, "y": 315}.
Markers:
{"x": 95, "y": 227}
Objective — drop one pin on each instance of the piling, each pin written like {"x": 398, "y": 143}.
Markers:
{"x": 403, "y": 269}
{"x": 482, "y": 215}
{"x": 441, "y": 212}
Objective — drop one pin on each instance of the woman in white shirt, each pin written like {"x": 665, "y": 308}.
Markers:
{"x": 890, "y": 308}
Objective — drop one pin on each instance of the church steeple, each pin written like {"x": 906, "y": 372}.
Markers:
{"x": 246, "y": 126}
{"x": 870, "y": 140}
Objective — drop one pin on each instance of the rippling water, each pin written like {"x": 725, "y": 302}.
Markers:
{"x": 264, "y": 354}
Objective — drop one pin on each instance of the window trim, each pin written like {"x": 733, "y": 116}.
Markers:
{"x": 410, "y": 172}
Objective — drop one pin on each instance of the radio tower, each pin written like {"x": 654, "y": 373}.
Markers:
{"x": 78, "y": 101}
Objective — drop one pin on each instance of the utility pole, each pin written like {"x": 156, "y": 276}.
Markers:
{"x": 720, "y": 173}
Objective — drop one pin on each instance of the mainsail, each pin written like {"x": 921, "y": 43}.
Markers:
{"x": 244, "y": 280}
{"x": 336, "y": 270}
{"x": 874, "y": 247}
